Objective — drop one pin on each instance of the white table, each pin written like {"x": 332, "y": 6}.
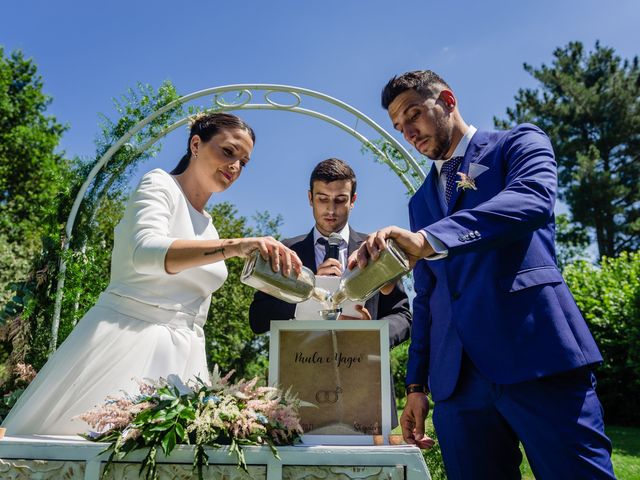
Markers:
{"x": 47, "y": 457}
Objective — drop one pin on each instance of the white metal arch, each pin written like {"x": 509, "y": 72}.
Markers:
{"x": 405, "y": 167}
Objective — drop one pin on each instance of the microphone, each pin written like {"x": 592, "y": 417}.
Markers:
{"x": 333, "y": 246}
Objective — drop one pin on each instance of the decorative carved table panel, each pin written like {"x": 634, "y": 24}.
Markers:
{"x": 49, "y": 458}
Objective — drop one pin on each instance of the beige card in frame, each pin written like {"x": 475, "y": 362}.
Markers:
{"x": 340, "y": 371}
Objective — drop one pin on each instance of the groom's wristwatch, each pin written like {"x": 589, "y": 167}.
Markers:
{"x": 416, "y": 389}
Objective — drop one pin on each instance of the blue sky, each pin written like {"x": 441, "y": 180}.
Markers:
{"x": 89, "y": 52}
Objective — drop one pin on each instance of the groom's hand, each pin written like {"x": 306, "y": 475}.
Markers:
{"x": 413, "y": 419}
{"x": 413, "y": 244}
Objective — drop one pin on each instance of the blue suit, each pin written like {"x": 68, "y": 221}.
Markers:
{"x": 496, "y": 312}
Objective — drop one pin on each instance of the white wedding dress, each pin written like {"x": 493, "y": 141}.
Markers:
{"x": 146, "y": 324}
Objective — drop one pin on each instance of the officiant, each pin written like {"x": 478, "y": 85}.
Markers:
{"x": 332, "y": 196}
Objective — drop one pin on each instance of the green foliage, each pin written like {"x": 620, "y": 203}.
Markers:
{"x": 230, "y": 341}
{"x": 9, "y": 400}
{"x": 15, "y": 262}
{"x": 398, "y": 359}
{"x": 31, "y": 173}
{"x": 88, "y": 267}
{"x": 609, "y": 298}
{"x": 161, "y": 427}
{"x": 23, "y": 317}
{"x": 33, "y": 177}
{"x": 201, "y": 414}
{"x": 34, "y": 181}
{"x": 589, "y": 104}
{"x": 267, "y": 225}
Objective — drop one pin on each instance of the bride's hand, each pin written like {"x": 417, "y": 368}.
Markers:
{"x": 281, "y": 257}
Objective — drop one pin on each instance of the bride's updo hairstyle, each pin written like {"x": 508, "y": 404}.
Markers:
{"x": 206, "y": 125}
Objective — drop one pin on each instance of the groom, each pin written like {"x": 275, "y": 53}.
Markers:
{"x": 497, "y": 339}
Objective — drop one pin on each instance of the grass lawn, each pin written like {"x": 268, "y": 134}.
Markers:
{"x": 625, "y": 458}
{"x": 626, "y": 451}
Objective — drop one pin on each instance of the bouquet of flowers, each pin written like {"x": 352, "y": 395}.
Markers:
{"x": 169, "y": 412}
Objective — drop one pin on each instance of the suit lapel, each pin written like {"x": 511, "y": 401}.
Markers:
{"x": 431, "y": 195}
{"x": 355, "y": 239}
{"x": 307, "y": 252}
{"x": 472, "y": 155}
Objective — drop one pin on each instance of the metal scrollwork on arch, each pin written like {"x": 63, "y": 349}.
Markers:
{"x": 384, "y": 147}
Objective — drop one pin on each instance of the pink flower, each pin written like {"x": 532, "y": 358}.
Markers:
{"x": 116, "y": 413}
{"x": 24, "y": 372}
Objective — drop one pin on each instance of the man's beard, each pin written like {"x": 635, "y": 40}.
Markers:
{"x": 441, "y": 140}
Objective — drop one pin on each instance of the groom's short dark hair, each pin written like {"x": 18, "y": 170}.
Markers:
{"x": 333, "y": 169}
{"x": 426, "y": 82}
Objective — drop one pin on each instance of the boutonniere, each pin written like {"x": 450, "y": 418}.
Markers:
{"x": 466, "y": 182}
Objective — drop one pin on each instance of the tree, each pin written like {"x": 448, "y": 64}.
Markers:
{"x": 589, "y": 104}
{"x": 572, "y": 241}
{"x": 31, "y": 172}
{"x": 33, "y": 176}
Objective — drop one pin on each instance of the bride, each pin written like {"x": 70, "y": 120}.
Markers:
{"x": 167, "y": 260}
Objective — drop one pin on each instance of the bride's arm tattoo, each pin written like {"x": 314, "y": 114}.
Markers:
{"x": 217, "y": 250}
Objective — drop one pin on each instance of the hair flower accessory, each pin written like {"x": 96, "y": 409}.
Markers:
{"x": 466, "y": 182}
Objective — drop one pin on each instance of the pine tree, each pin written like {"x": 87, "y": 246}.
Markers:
{"x": 589, "y": 104}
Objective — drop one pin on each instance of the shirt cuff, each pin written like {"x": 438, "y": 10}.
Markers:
{"x": 441, "y": 250}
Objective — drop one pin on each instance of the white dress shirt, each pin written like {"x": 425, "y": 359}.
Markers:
{"x": 460, "y": 150}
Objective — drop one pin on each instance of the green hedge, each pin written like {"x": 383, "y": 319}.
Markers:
{"x": 609, "y": 297}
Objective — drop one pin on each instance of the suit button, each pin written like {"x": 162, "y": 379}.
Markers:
{"x": 477, "y": 234}
{"x": 455, "y": 296}
{"x": 472, "y": 235}
{"x": 460, "y": 238}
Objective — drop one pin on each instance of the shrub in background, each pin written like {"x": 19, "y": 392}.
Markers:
{"x": 609, "y": 298}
